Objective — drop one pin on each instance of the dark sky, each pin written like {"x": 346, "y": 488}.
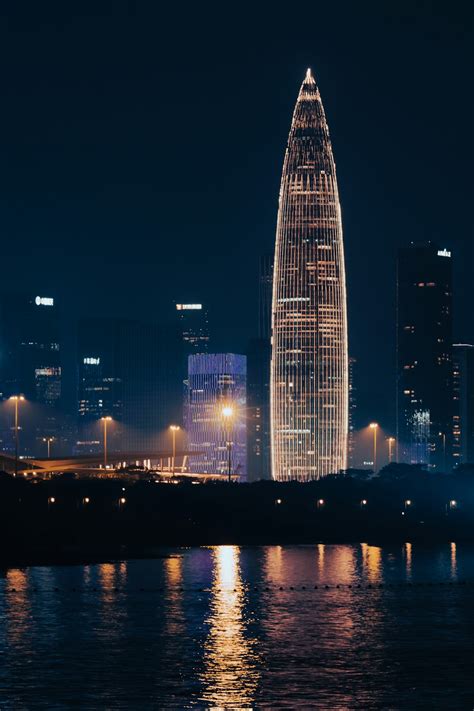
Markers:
{"x": 142, "y": 150}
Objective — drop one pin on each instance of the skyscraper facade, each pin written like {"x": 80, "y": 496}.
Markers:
{"x": 194, "y": 328}
{"x": 352, "y": 413}
{"x": 424, "y": 356}
{"x": 258, "y": 379}
{"x": 309, "y": 369}
{"x": 463, "y": 403}
{"x": 129, "y": 371}
{"x": 30, "y": 364}
{"x": 217, "y": 381}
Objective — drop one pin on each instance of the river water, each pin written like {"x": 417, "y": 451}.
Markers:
{"x": 232, "y": 627}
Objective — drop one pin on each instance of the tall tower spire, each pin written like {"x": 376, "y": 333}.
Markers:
{"x": 309, "y": 370}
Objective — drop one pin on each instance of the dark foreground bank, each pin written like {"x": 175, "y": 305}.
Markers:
{"x": 64, "y": 520}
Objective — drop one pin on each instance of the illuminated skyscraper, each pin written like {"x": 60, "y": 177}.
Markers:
{"x": 217, "y": 381}
{"x": 424, "y": 356}
{"x": 309, "y": 377}
{"x": 463, "y": 400}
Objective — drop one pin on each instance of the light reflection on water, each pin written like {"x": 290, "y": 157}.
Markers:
{"x": 231, "y": 627}
{"x": 231, "y": 661}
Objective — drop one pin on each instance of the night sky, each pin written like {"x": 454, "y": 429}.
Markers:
{"x": 142, "y": 150}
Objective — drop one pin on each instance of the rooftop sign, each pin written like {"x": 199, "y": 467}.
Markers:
{"x": 188, "y": 307}
{"x": 44, "y": 301}
{"x": 443, "y": 253}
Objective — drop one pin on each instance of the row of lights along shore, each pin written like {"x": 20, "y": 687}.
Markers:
{"x": 227, "y": 414}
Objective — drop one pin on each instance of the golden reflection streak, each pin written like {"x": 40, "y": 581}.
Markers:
{"x": 454, "y": 568}
{"x": 321, "y": 553}
{"x": 231, "y": 674}
{"x": 18, "y": 605}
{"x": 273, "y": 564}
{"x": 408, "y": 556}
{"x": 372, "y": 562}
{"x": 174, "y": 578}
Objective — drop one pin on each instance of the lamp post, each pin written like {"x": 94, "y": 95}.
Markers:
{"x": 174, "y": 429}
{"x": 105, "y": 420}
{"x": 391, "y": 442}
{"x": 227, "y": 413}
{"x": 374, "y": 426}
{"x": 16, "y": 399}
{"x": 48, "y": 440}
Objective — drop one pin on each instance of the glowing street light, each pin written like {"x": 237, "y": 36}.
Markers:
{"x": 174, "y": 429}
{"x": 374, "y": 426}
{"x": 363, "y": 503}
{"x": 391, "y": 442}
{"x": 408, "y": 503}
{"x": 105, "y": 420}
{"x": 48, "y": 440}
{"x": 320, "y": 503}
{"x": 16, "y": 399}
{"x": 227, "y": 414}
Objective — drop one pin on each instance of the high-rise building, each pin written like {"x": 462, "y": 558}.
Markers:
{"x": 217, "y": 413}
{"x": 463, "y": 403}
{"x": 424, "y": 361}
{"x": 30, "y": 364}
{"x": 258, "y": 379}
{"x": 309, "y": 376}
{"x": 194, "y": 327}
{"x": 129, "y": 371}
{"x": 352, "y": 413}
{"x": 258, "y": 410}
{"x": 265, "y": 289}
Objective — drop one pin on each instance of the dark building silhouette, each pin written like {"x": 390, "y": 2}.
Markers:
{"x": 193, "y": 324}
{"x": 424, "y": 356}
{"x": 30, "y": 364}
{"x": 463, "y": 403}
{"x": 258, "y": 379}
{"x": 352, "y": 413}
{"x": 265, "y": 289}
{"x": 129, "y": 371}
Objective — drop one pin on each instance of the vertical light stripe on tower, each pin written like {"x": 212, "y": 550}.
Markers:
{"x": 309, "y": 370}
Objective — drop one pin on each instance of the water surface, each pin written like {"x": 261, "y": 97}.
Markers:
{"x": 235, "y": 627}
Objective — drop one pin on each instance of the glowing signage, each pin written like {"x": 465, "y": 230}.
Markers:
{"x": 188, "y": 307}
{"x": 443, "y": 253}
{"x": 91, "y": 361}
{"x": 44, "y": 301}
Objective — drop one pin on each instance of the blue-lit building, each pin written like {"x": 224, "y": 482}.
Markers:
{"x": 217, "y": 381}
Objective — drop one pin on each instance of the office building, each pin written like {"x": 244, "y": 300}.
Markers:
{"x": 30, "y": 365}
{"x": 217, "y": 386}
{"x": 194, "y": 326}
{"x": 352, "y": 414}
{"x": 309, "y": 369}
{"x": 258, "y": 379}
{"x": 463, "y": 403}
{"x": 424, "y": 358}
{"x": 129, "y": 371}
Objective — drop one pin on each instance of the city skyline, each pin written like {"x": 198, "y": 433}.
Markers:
{"x": 117, "y": 201}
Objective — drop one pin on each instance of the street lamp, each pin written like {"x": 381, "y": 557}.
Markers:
{"x": 391, "y": 442}
{"x": 105, "y": 420}
{"x": 16, "y": 399}
{"x": 374, "y": 426}
{"x": 227, "y": 414}
{"x": 48, "y": 440}
{"x": 174, "y": 429}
